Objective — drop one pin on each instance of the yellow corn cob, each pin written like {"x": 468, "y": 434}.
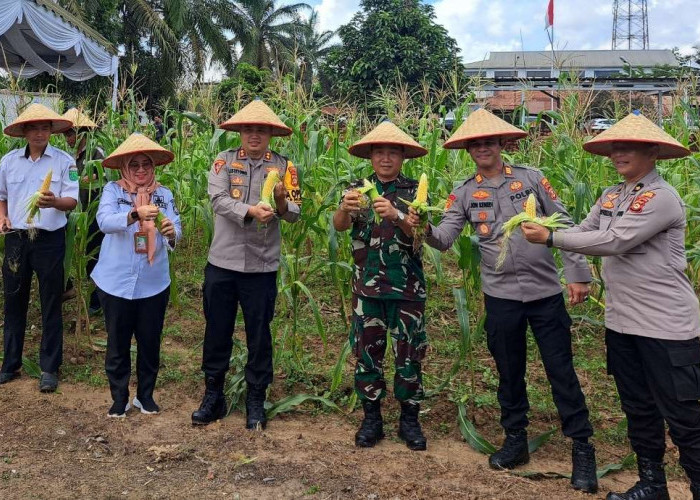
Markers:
{"x": 46, "y": 185}
{"x": 267, "y": 196}
{"x": 422, "y": 192}
{"x": 530, "y": 206}
{"x": 32, "y": 203}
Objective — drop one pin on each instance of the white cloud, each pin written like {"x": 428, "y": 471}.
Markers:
{"x": 482, "y": 26}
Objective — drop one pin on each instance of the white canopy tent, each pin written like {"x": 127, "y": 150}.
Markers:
{"x": 39, "y": 36}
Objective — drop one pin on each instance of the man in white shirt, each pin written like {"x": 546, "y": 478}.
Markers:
{"x": 35, "y": 244}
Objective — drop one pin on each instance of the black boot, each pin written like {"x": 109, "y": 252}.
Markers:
{"x": 695, "y": 490}
{"x": 372, "y": 428}
{"x": 213, "y": 405}
{"x": 651, "y": 484}
{"x": 514, "y": 451}
{"x": 409, "y": 427}
{"x": 583, "y": 474}
{"x": 255, "y": 407}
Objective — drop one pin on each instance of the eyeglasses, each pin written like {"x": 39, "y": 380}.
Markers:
{"x": 630, "y": 146}
{"x": 145, "y": 165}
{"x": 483, "y": 143}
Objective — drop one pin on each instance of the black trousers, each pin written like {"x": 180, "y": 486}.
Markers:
{"x": 224, "y": 291}
{"x": 124, "y": 318}
{"x": 659, "y": 380}
{"x": 23, "y": 257}
{"x": 506, "y": 329}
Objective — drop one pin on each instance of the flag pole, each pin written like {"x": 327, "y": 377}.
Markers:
{"x": 551, "y": 44}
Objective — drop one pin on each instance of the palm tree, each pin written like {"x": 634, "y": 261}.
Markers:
{"x": 266, "y": 33}
{"x": 314, "y": 46}
{"x": 201, "y": 26}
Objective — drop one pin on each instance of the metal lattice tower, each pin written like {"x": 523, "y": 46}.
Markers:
{"x": 630, "y": 25}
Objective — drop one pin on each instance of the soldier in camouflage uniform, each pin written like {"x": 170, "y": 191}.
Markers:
{"x": 388, "y": 286}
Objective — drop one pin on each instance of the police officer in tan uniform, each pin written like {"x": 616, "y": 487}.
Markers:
{"x": 525, "y": 290}
{"x": 652, "y": 317}
{"x": 244, "y": 258}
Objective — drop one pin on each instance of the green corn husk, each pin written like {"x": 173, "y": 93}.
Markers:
{"x": 551, "y": 222}
{"x": 420, "y": 205}
{"x": 369, "y": 189}
{"x": 159, "y": 221}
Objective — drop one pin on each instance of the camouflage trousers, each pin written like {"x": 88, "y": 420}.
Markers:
{"x": 404, "y": 321}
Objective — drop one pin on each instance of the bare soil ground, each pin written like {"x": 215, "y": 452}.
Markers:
{"x": 64, "y": 446}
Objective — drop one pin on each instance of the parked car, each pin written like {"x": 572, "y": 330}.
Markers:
{"x": 600, "y": 124}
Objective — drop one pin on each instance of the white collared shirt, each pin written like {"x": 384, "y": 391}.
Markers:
{"x": 120, "y": 271}
{"x": 21, "y": 177}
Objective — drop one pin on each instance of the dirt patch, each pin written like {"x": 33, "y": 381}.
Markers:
{"x": 64, "y": 446}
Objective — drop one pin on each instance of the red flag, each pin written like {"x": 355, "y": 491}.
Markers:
{"x": 549, "y": 16}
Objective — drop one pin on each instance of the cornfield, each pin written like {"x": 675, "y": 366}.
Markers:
{"x": 315, "y": 274}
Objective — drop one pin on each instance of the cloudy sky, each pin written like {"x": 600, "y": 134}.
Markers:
{"x": 480, "y": 26}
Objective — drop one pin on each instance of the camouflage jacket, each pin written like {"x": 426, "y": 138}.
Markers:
{"x": 386, "y": 266}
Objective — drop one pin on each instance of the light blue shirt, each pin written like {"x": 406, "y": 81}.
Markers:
{"x": 21, "y": 177}
{"x": 120, "y": 271}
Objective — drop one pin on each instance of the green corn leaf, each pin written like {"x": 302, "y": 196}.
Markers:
{"x": 31, "y": 367}
{"x": 538, "y": 441}
{"x": 290, "y": 402}
{"x": 470, "y": 434}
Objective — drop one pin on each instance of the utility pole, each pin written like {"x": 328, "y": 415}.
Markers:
{"x": 630, "y": 25}
{"x": 629, "y": 65}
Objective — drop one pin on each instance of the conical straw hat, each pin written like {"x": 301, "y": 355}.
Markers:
{"x": 37, "y": 113}
{"x": 636, "y": 128}
{"x": 256, "y": 113}
{"x": 79, "y": 119}
{"x": 387, "y": 133}
{"x": 482, "y": 123}
{"x": 134, "y": 144}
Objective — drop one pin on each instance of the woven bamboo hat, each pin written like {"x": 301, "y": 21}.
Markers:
{"x": 79, "y": 119}
{"x": 386, "y": 133}
{"x": 37, "y": 113}
{"x": 479, "y": 124}
{"x": 636, "y": 128}
{"x": 138, "y": 143}
{"x": 256, "y": 113}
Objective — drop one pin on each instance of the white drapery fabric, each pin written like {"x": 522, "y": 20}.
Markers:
{"x": 77, "y": 56}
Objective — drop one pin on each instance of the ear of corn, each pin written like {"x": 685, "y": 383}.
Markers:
{"x": 159, "y": 220}
{"x": 370, "y": 189}
{"x": 531, "y": 206}
{"x": 420, "y": 205}
{"x": 46, "y": 185}
{"x": 267, "y": 195}
{"x": 529, "y": 215}
{"x": 33, "y": 202}
{"x": 422, "y": 192}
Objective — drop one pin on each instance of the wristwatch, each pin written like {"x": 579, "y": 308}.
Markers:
{"x": 550, "y": 239}
{"x": 400, "y": 217}
{"x": 135, "y": 215}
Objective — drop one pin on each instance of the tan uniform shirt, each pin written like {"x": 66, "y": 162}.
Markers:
{"x": 529, "y": 272}
{"x": 639, "y": 229}
{"x": 235, "y": 182}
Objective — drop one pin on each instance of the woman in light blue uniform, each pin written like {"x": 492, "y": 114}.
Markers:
{"x": 141, "y": 224}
